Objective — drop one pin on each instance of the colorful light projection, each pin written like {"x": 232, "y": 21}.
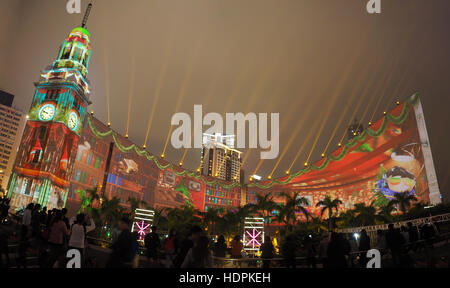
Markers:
{"x": 253, "y": 233}
{"x": 142, "y": 222}
{"x": 392, "y": 156}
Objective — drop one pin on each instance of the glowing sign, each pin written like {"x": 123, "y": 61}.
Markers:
{"x": 143, "y": 219}
{"x": 253, "y": 238}
{"x": 253, "y": 233}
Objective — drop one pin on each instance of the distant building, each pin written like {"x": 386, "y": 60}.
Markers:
{"x": 6, "y": 98}
{"x": 220, "y": 159}
{"x": 354, "y": 129}
{"x": 11, "y": 128}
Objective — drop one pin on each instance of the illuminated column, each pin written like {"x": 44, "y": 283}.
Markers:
{"x": 435, "y": 195}
{"x": 142, "y": 222}
{"x": 253, "y": 233}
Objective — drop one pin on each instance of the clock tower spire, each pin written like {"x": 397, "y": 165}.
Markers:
{"x": 49, "y": 144}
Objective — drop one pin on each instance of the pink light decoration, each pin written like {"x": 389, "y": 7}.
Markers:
{"x": 253, "y": 238}
{"x": 142, "y": 227}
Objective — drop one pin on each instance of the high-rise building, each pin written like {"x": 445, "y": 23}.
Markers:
{"x": 44, "y": 162}
{"x": 12, "y": 122}
{"x": 219, "y": 157}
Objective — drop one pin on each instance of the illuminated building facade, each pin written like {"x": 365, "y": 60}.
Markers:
{"x": 392, "y": 156}
{"x": 219, "y": 157}
{"x": 49, "y": 144}
{"x": 114, "y": 165}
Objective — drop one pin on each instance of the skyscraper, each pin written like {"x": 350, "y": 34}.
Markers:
{"x": 44, "y": 162}
{"x": 12, "y": 122}
{"x": 219, "y": 157}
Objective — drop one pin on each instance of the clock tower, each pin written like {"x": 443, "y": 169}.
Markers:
{"x": 44, "y": 162}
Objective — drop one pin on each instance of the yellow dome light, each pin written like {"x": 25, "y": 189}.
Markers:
{"x": 340, "y": 144}
{"x": 370, "y": 123}
{"x": 323, "y": 155}
{"x": 126, "y": 136}
{"x": 162, "y": 155}
{"x": 384, "y": 113}
{"x": 287, "y": 172}
{"x": 398, "y": 103}
{"x": 145, "y": 146}
{"x": 109, "y": 124}
{"x": 180, "y": 164}
{"x": 269, "y": 177}
{"x": 306, "y": 164}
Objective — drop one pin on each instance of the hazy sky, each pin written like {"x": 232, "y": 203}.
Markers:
{"x": 294, "y": 57}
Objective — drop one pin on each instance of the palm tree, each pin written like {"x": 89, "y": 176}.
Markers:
{"x": 265, "y": 205}
{"x": 403, "y": 201}
{"x": 211, "y": 216}
{"x": 385, "y": 212}
{"x": 134, "y": 204}
{"x": 295, "y": 203}
{"x": 328, "y": 204}
{"x": 348, "y": 218}
{"x": 365, "y": 215}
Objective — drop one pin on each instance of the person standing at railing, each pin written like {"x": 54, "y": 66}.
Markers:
{"x": 394, "y": 242}
{"x": 199, "y": 256}
{"x": 336, "y": 252}
{"x": 220, "y": 247}
{"x": 152, "y": 243}
{"x": 170, "y": 248}
{"x": 122, "y": 248}
{"x": 268, "y": 251}
{"x": 364, "y": 246}
{"x": 323, "y": 246}
{"x": 236, "y": 247}
{"x": 413, "y": 236}
{"x": 78, "y": 233}
{"x": 311, "y": 252}
{"x": 194, "y": 235}
{"x": 58, "y": 230}
{"x": 405, "y": 234}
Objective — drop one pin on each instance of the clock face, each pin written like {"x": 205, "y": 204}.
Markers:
{"x": 47, "y": 112}
{"x": 73, "y": 121}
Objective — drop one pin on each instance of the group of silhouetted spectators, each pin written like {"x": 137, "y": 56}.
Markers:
{"x": 51, "y": 234}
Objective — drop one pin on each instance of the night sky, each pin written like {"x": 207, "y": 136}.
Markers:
{"x": 305, "y": 59}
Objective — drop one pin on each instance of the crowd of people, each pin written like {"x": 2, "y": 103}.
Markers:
{"x": 50, "y": 234}
{"x": 339, "y": 250}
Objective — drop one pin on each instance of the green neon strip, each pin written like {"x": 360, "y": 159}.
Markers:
{"x": 12, "y": 186}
